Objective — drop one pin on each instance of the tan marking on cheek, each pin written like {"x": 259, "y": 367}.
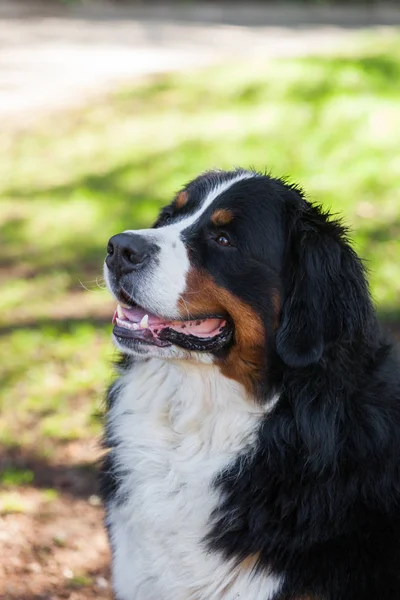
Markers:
{"x": 222, "y": 217}
{"x": 246, "y": 357}
{"x": 181, "y": 199}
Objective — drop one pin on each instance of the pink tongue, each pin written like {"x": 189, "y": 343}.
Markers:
{"x": 136, "y": 315}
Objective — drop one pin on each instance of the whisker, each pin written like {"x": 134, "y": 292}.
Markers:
{"x": 94, "y": 280}
{"x": 93, "y": 283}
{"x": 102, "y": 281}
{"x": 85, "y": 287}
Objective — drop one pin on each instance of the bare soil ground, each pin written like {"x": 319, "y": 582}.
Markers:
{"x": 52, "y": 541}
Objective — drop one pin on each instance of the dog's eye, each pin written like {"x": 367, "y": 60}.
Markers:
{"x": 223, "y": 240}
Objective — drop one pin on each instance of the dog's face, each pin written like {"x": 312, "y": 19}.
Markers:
{"x": 205, "y": 281}
{"x": 231, "y": 271}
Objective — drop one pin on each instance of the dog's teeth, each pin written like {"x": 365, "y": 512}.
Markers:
{"x": 144, "y": 323}
{"x": 120, "y": 312}
{"x": 135, "y": 326}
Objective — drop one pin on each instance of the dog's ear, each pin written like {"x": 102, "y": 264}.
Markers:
{"x": 326, "y": 295}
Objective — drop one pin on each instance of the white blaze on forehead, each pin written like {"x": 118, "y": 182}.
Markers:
{"x": 209, "y": 199}
{"x": 166, "y": 281}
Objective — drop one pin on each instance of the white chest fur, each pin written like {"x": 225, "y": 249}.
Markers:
{"x": 176, "y": 425}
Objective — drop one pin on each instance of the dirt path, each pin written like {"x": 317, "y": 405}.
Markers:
{"x": 53, "y": 56}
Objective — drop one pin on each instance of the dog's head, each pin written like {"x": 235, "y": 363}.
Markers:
{"x": 238, "y": 270}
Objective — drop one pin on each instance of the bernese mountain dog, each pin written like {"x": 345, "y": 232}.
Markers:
{"x": 253, "y": 431}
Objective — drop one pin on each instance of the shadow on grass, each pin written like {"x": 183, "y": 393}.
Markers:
{"x": 115, "y": 189}
{"x": 61, "y": 325}
{"x": 79, "y": 481}
{"x": 384, "y": 232}
{"x": 390, "y": 321}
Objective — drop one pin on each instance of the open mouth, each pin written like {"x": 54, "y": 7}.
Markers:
{"x": 196, "y": 334}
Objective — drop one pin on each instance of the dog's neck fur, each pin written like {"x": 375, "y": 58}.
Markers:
{"x": 182, "y": 400}
{"x": 174, "y": 427}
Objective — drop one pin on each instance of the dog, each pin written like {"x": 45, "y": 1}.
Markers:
{"x": 253, "y": 431}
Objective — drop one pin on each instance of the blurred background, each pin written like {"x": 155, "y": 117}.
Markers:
{"x": 106, "y": 110}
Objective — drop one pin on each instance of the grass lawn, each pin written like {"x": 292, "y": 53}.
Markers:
{"x": 331, "y": 124}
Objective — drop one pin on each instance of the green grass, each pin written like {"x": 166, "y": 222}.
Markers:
{"x": 331, "y": 124}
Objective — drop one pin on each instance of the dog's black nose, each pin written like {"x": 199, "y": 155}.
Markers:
{"x": 127, "y": 252}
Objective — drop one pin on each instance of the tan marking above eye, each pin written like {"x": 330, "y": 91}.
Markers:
{"x": 221, "y": 217}
{"x": 181, "y": 199}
